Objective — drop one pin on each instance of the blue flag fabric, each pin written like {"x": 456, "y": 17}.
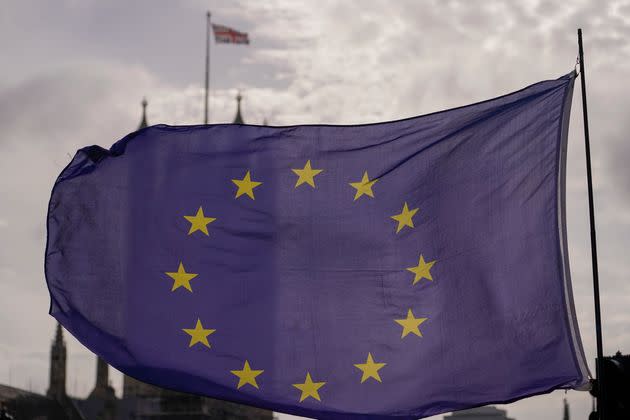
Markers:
{"x": 391, "y": 270}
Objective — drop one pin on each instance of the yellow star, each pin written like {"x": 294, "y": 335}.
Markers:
{"x": 364, "y": 186}
{"x": 199, "y": 222}
{"x": 404, "y": 218}
{"x": 182, "y": 278}
{"x": 198, "y": 334}
{"x": 370, "y": 369}
{"x": 309, "y": 388}
{"x": 422, "y": 270}
{"x": 246, "y": 186}
{"x": 410, "y": 324}
{"x": 246, "y": 376}
{"x": 306, "y": 175}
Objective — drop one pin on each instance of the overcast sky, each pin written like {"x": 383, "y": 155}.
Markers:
{"x": 74, "y": 73}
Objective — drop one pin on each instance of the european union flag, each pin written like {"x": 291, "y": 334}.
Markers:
{"x": 392, "y": 270}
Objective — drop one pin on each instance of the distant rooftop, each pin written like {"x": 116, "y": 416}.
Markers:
{"x": 479, "y": 413}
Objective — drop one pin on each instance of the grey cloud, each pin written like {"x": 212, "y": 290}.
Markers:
{"x": 49, "y": 108}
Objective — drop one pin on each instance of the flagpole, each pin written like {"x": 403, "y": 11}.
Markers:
{"x": 205, "y": 110}
{"x": 591, "y": 210}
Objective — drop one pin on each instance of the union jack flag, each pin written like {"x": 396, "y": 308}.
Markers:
{"x": 226, "y": 35}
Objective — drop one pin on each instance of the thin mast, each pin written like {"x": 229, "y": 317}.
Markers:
{"x": 591, "y": 211}
{"x": 205, "y": 110}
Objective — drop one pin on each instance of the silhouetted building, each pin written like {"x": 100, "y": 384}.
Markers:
{"x": 19, "y": 404}
{"x": 140, "y": 401}
{"x": 55, "y": 405}
{"x": 480, "y": 413}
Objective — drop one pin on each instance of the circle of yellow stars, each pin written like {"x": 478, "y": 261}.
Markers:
{"x": 306, "y": 176}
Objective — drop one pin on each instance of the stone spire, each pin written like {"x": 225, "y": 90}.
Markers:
{"x": 238, "y": 119}
{"x": 143, "y": 123}
{"x": 101, "y": 388}
{"x": 103, "y": 395}
{"x": 57, "y": 383}
{"x": 565, "y": 416}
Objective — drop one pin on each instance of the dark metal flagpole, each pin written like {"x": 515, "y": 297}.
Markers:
{"x": 205, "y": 110}
{"x": 591, "y": 210}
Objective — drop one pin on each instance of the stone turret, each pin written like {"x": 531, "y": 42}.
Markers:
{"x": 102, "y": 403}
{"x": 101, "y": 388}
{"x": 238, "y": 119}
{"x": 143, "y": 123}
{"x": 57, "y": 382}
